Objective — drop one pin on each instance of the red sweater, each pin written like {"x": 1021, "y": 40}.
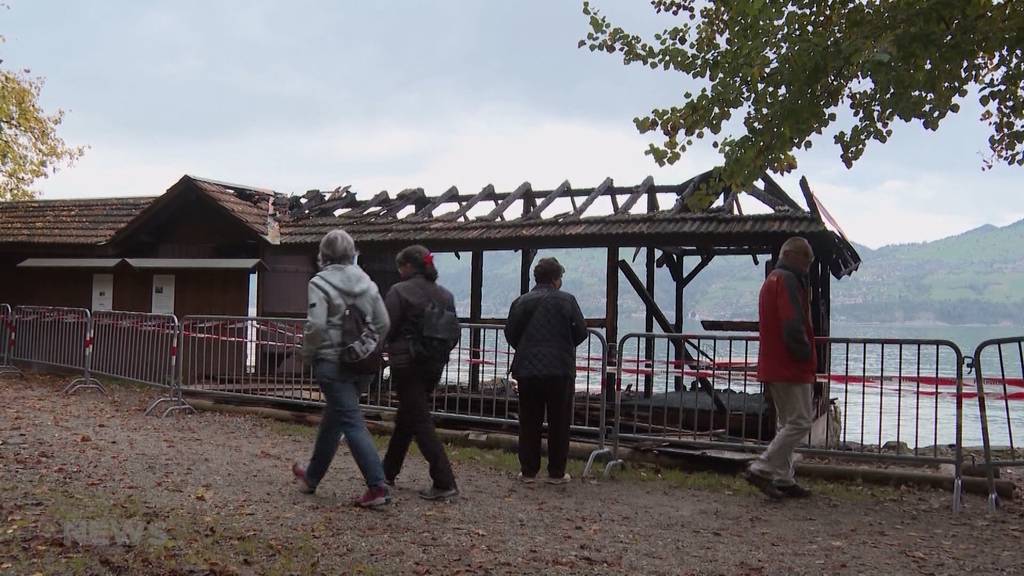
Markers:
{"x": 787, "y": 337}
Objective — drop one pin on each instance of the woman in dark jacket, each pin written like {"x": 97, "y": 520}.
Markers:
{"x": 406, "y": 303}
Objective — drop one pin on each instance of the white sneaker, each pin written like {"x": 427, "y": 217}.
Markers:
{"x": 526, "y": 479}
{"x": 563, "y": 480}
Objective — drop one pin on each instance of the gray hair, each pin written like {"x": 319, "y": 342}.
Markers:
{"x": 795, "y": 247}
{"x": 336, "y": 247}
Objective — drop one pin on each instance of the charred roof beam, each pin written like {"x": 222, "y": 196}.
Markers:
{"x": 485, "y": 194}
{"x": 638, "y": 193}
{"x": 600, "y": 190}
{"x": 499, "y": 209}
{"x": 547, "y": 201}
{"x": 435, "y": 203}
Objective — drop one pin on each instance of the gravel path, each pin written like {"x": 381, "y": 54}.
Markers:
{"x": 211, "y": 494}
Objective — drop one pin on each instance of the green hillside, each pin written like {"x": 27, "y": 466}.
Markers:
{"x": 972, "y": 278}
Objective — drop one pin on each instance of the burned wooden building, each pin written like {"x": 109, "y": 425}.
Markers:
{"x": 203, "y": 240}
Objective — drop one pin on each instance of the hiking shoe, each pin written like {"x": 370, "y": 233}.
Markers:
{"x": 300, "y": 477}
{"x": 794, "y": 491}
{"x": 764, "y": 484}
{"x": 526, "y": 479}
{"x": 374, "y": 497}
{"x": 565, "y": 479}
{"x": 434, "y": 493}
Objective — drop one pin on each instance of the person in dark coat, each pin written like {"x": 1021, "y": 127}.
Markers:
{"x": 406, "y": 301}
{"x": 544, "y": 326}
{"x": 786, "y": 365}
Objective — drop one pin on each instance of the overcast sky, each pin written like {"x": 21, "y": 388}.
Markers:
{"x": 386, "y": 96}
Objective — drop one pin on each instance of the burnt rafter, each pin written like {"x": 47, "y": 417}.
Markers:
{"x": 563, "y": 188}
{"x": 435, "y": 203}
{"x": 602, "y": 188}
{"x": 486, "y": 194}
{"x": 702, "y": 217}
{"x": 638, "y": 193}
{"x": 499, "y": 209}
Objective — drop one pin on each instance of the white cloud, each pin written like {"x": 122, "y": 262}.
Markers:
{"x": 505, "y": 146}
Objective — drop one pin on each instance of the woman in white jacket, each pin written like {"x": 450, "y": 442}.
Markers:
{"x": 339, "y": 284}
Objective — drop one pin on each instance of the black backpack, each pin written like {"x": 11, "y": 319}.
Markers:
{"x": 437, "y": 333}
{"x": 360, "y": 345}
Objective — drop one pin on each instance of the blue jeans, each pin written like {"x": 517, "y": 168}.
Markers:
{"x": 342, "y": 415}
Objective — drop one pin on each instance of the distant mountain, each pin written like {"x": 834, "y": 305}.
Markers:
{"x": 976, "y": 277}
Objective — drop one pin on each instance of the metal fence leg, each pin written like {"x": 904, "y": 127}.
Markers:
{"x": 10, "y": 369}
{"x": 176, "y": 398}
{"x": 86, "y": 380}
{"x": 83, "y": 383}
{"x": 593, "y": 456}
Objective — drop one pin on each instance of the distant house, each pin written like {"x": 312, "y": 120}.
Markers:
{"x": 190, "y": 251}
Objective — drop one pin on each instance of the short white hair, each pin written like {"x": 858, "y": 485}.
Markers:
{"x": 793, "y": 246}
{"x": 336, "y": 247}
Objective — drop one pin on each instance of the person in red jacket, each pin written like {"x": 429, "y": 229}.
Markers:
{"x": 786, "y": 365}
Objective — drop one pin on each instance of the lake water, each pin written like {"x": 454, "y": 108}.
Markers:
{"x": 884, "y": 393}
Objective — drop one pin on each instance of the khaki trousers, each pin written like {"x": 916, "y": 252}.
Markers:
{"x": 794, "y": 413}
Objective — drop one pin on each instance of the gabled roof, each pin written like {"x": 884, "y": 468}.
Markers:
{"x": 248, "y": 205}
{"x": 85, "y": 221}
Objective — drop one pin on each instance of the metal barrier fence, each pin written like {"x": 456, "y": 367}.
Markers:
{"x": 248, "y": 356}
{"x": 60, "y": 337}
{"x": 999, "y": 378}
{"x": 875, "y": 399}
{"x": 256, "y": 356}
{"x": 140, "y": 347}
{"x": 7, "y": 337}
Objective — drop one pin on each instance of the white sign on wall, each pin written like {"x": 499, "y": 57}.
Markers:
{"x": 163, "y": 293}
{"x": 102, "y": 292}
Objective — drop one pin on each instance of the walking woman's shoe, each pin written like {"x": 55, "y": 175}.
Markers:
{"x": 794, "y": 491}
{"x": 434, "y": 493}
{"x": 300, "y": 477}
{"x": 564, "y": 479}
{"x": 374, "y": 497}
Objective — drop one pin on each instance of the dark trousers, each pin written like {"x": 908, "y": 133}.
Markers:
{"x": 537, "y": 396}
{"x": 413, "y": 422}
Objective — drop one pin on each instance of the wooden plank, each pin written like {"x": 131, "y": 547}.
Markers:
{"x": 499, "y": 210}
{"x": 554, "y": 195}
{"x": 730, "y": 325}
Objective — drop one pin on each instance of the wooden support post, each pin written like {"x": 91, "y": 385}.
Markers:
{"x": 524, "y": 269}
{"x": 611, "y": 331}
{"x": 819, "y": 280}
{"x": 649, "y": 323}
{"x": 476, "y": 283}
{"x": 678, "y": 275}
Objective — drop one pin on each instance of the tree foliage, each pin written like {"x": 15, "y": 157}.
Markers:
{"x": 30, "y": 148}
{"x": 788, "y": 66}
